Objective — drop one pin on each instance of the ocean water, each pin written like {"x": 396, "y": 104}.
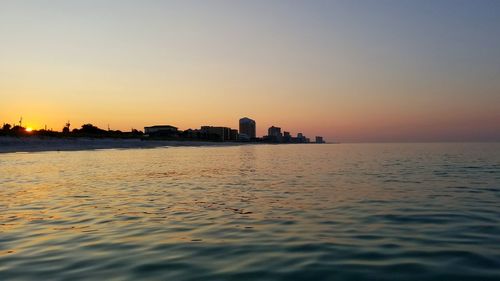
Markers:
{"x": 253, "y": 212}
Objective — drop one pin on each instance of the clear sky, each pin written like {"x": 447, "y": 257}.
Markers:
{"x": 400, "y": 70}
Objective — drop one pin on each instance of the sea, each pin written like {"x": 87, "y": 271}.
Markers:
{"x": 428, "y": 211}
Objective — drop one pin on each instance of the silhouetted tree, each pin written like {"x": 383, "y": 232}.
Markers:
{"x": 66, "y": 128}
{"x": 136, "y": 132}
{"x": 18, "y": 130}
{"x": 6, "y": 127}
{"x": 91, "y": 129}
{"x": 86, "y": 130}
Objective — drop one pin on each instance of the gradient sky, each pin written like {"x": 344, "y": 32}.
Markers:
{"x": 422, "y": 70}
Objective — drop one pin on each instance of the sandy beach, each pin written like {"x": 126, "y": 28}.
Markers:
{"x": 35, "y": 144}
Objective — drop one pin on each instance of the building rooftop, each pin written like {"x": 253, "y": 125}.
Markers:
{"x": 246, "y": 119}
{"x": 161, "y": 126}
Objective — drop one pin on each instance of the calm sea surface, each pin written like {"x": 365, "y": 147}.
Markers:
{"x": 254, "y": 212}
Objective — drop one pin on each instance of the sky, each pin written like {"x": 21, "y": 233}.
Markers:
{"x": 351, "y": 71}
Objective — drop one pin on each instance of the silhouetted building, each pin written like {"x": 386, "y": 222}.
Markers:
{"x": 274, "y": 131}
{"x": 219, "y": 133}
{"x": 319, "y": 139}
{"x": 247, "y": 128}
{"x": 227, "y": 133}
{"x": 161, "y": 130}
{"x": 191, "y": 134}
{"x": 287, "y": 137}
{"x": 233, "y": 135}
{"x": 274, "y": 134}
{"x": 300, "y": 139}
{"x": 212, "y": 133}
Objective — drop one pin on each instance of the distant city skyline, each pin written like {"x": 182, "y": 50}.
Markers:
{"x": 350, "y": 71}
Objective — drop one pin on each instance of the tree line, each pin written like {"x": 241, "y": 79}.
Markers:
{"x": 86, "y": 130}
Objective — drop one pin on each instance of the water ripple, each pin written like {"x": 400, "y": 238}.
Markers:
{"x": 283, "y": 212}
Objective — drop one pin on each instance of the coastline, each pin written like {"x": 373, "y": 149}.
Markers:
{"x": 39, "y": 144}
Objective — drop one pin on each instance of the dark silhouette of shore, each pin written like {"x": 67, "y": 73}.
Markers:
{"x": 86, "y": 131}
{"x": 162, "y": 132}
{"x": 21, "y": 139}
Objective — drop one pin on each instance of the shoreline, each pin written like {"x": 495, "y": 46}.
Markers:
{"x": 40, "y": 144}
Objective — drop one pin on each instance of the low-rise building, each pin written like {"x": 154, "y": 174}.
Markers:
{"x": 274, "y": 134}
{"x": 219, "y": 133}
{"x": 233, "y": 135}
{"x": 319, "y": 139}
{"x": 161, "y": 130}
{"x": 287, "y": 137}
